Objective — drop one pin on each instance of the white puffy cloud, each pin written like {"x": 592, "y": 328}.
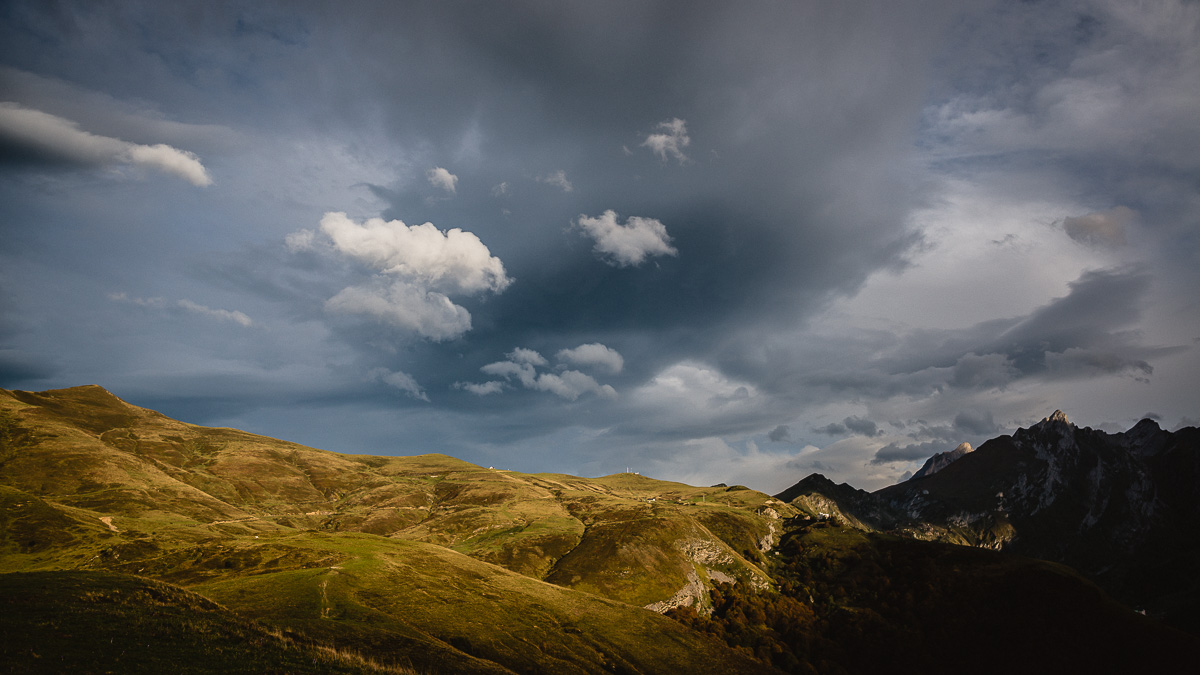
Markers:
{"x": 629, "y": 244}
{"x": 170, "y": 160}
{"x": 594, "y": 354}
{"x": 524, "y": 372}
{"x": 571, "y": 384}
{"x": 694, "y": 387}
{"x": 450, "y": 262}
{"x": 558, "y": 179}
{"x": 402, "y": 381}
{"x": 522, "y": 364}
{"x": 418, "y": 268}
{"x": 58, "y": 139}
{"x": 671, "y": 141}
{"x": 529, "y": 356}
{"x": 1103, "y": 228}
{"x": 405, "y": 305}
{"x": 441, "y": 178}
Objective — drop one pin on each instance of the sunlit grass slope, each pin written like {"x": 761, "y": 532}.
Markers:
{"x": 426, "y": 560}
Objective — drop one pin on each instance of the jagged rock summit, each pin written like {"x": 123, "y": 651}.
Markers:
{"x": 942, "y": 460}
{"x": 1059, "y": 418}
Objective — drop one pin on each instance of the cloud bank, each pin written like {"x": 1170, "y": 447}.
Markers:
{"x": 43, "y": 137}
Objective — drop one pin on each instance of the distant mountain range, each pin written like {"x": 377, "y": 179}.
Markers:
{"x": 131, "y": 542}
{"x": 1123, "y": 508}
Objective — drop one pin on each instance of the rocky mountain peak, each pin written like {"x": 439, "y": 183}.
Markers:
{"x": 818, "y": 483}
{"x": 1147, "y": 425}
{"x": 1146, "y": 437}
{"x": 1056, "y": 424}
{"x": 942, "y": 460}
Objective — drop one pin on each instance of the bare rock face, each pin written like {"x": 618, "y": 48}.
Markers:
{"x": 942, "y": 460}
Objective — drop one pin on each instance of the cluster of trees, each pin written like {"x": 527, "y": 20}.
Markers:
{"x": 775, "y": 628}
{"x": 834, "y": 609}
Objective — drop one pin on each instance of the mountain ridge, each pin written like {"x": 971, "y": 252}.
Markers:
{"x": 1121, "y": 508}
{"x": 942, "y": 460}
{"x": 438, "y": 564}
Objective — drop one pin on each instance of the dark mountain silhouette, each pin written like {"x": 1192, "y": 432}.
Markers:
{"x": 1121, "y": 508}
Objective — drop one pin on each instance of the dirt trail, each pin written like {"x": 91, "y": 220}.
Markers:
{"x": 325, "y": 599}
{"x": 236, "y": 520}
{"x": 107, "y": 520}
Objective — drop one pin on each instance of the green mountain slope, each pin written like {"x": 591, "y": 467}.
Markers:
{"x": 258, "y": 552}
{"x": 100, "y": 622}
{"x": 425, "y": 560}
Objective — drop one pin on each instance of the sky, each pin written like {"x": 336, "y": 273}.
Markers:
{"x": 707, "y": 242}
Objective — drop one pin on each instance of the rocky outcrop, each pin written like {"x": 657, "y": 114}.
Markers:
{"x": 942, "y": 460}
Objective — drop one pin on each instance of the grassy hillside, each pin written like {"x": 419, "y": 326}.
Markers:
{"x": 426, "y": 560}
{"x": 100, "y": 622}
{"x": 227, "y": 550}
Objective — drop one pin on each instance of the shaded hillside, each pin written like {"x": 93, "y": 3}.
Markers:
{"x": 1122, "y": 508}
{"x": 857, "y": 602}
{"x": 100, "y": 622}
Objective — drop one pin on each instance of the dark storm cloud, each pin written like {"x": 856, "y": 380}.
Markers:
{"x": 976, "y": 423}
{"x": 754, "y": 230}
{"x": 765, "y": 163}
{"x": 29, "y": 136}
{"x": 970, "y": 426}
{"x": 1086, "y": 320}
{"x": 850, "y": 425}
{"x": 18, "y": 366}
{"x": 1077, "y": 335}
{"x": 862, "y": 427}
{"x": 833, "y": 429}
{"x": 894, "y": 452}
